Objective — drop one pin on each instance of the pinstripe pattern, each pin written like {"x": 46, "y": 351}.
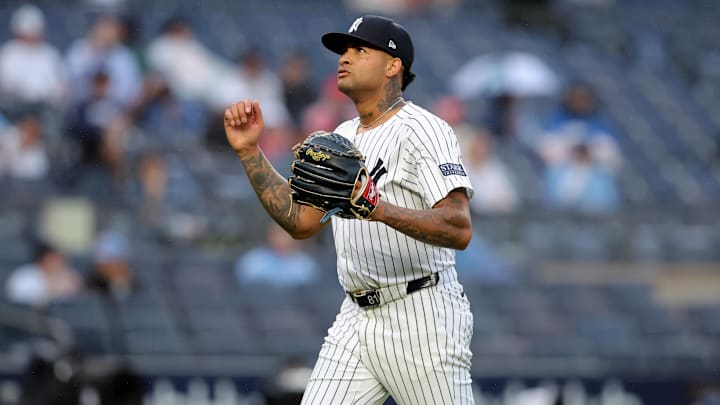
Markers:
{"x": 339, "y": 376}
{"x": 416, "y": 348}
{"x": 411, "y": 145}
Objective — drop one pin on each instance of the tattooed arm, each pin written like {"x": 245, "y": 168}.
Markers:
{"x": 272, "y": 189}
{"x": 243, "y": 126}
{"x": 447, "y": 224}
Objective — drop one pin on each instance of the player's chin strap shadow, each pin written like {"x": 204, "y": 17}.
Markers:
{"x": 329, "y": 214}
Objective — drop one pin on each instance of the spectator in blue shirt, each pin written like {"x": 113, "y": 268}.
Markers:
{"x": 481, "y": 262}
{"x": 581, "y": 184}
{"x": 577, "y": 120}
{"x": 281, "y": 262}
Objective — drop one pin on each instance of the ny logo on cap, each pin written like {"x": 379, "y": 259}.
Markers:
{"x": 355, "y": 25}
{"x": 392, "y": 45}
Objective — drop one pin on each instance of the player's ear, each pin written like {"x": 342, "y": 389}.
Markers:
{"x": 394, "y": 66}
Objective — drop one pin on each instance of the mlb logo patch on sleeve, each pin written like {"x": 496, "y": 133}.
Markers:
{"x": 452, "y": 169}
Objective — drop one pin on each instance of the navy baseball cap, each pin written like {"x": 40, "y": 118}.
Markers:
{"x": 378, "y": 32}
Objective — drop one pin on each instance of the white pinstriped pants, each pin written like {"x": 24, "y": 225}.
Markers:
{"x": 416, "y": 349}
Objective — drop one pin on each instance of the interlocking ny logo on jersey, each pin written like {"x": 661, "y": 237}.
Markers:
{"x": 378, "y": 171}
{"x": 355, "y": 25}
{"x": 450, "y": 169}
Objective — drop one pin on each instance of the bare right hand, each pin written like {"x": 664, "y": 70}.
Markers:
{"x": 243, "y": 125}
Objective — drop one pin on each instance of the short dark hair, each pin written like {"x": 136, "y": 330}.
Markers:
{"x": 40, "y": 249}
{"x": 407, "y": 78}
{"x": 175, "y": 22}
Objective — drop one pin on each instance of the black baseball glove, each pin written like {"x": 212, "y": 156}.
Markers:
{"x": 329, "y": 174}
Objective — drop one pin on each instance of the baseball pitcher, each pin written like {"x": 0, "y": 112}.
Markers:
{"x": 392, "y": 184}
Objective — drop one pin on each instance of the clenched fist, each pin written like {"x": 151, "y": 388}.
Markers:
{"x": 243, "y": 125}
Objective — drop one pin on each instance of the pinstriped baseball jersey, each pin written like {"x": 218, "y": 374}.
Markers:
{"x": 415, "y": 348}
{"x": 415, "y": 160}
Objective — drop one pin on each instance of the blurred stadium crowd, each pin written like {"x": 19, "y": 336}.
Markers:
{"x": 589, "y": 128}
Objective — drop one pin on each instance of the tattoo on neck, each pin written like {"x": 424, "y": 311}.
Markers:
{"x": 392, "y": 93}
{"x": 367, "y": 116}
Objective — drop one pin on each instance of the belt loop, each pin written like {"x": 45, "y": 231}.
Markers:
{"x": 425, "y": 282}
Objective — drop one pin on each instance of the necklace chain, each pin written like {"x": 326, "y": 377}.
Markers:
{"x": 399, "y": 99}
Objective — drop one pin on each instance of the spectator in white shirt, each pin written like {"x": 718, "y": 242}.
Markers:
{"x": 101, "y": 50}
{"x": 187, "y": 65}
{"x": 31, "y": 70}
{"x": 254, "y": 80}
{"x": 494, "y": 189}
{"x": 22, "y": 151}
{"x": 46, "y": 279}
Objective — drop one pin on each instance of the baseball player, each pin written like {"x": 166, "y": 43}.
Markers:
{"x": 405, "y": 326}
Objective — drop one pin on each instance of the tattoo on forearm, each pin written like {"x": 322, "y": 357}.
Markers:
{"x": 272, "y": 190}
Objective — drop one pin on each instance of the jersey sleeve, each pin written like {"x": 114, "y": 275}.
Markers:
{"x": 438, "y": 160}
